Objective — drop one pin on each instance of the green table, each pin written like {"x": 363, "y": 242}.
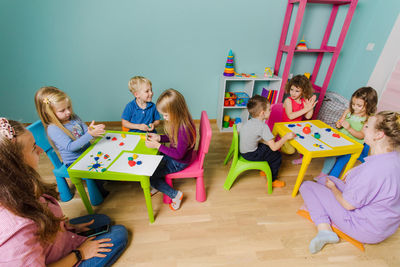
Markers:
{"x": 116, "y": 151}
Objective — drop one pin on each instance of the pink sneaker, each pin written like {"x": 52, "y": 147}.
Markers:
{"x": 297, "y": 161}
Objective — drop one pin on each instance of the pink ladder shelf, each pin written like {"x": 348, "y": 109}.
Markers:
{"x": 291, "y": 48}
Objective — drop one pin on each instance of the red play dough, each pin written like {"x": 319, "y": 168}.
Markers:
{"x": 131, "y": 163}
{"x": 121, "y": 144}
{"x": 114, "y": 139}
{"x": 306, "y": 130}
{"x": 336, "y": 135}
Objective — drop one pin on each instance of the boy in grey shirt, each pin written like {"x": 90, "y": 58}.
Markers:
{"x": 256, "y": 140}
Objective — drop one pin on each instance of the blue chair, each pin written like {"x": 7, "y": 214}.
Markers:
{"x": 60, "y": 170}
{"x": 342, "y": 161}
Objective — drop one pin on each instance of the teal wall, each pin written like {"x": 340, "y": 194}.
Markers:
{"x": 90, "y": 48}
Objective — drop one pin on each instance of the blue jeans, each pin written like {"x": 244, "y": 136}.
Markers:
{"x": 166, "y": 166}
{"x": 117, "y": 234}
{"x": 328, "y": 164}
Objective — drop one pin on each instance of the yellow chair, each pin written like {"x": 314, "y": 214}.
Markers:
{"x": 239, "y": 164}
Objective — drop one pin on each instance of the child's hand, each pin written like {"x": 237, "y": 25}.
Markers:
{"x": 346, "y": 125}
{"x": 91, "y": 248}
{"x": 151, "y": 127}
{"x": 331, "y": 185}
{"x": 153, "y": 137}
{"x": 309, "y": 104}
{"x": 152, "y": 144}
{"x": 96, "y": 130}
{"x": 81, "y": 227}
{"x": 290, "y": 136}
{"x": 339, "y": 124}
{"x": 143, "y": 127}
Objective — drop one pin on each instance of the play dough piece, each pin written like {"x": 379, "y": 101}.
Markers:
{"x": 135, "y": 156}
{"x": 317, "y": 136}
{"x": 139, "y": 162}
{"x": 114, "y": 139}
{"x": 336, "y": 135}
{"x": 131, "y": 163}
{"x": 108, "y": 137}
{"x": 306, "y": 130}
{"x": 121, "y": 144}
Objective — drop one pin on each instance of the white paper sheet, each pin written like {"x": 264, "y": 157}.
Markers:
{"x": 105, "y": 151}
{"x": 143, "y": 164}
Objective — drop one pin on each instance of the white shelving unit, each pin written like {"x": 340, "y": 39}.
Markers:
{"x": 227, "y": 85}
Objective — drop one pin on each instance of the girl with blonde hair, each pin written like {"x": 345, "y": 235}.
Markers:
{"x": 181, "y": 133}
{"x": 70, "y": 135}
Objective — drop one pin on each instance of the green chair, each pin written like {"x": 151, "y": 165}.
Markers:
{"x": 239, "y": 164}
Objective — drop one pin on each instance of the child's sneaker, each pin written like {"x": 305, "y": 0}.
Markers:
{"x": 153, "y": 191}
{"x": 278, "y": 183}
{"x": 297, "y": 161}
{"x": 176, "y": 201}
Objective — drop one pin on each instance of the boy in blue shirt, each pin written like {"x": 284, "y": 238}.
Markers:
{"x": 140, "y": 115}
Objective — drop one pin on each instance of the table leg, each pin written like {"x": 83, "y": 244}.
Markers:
{"x": 146, "y": 190}
{"x": 304, "y": 165}
{"x": 350, "y": 164}
{"x": 81, "y": 190}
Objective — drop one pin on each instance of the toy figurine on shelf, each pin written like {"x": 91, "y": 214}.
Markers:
{"x": 301, "y": 45}
{"x": 307, "y": 74}
{"x": 229, "y": 69}
{"x": 268, "y": 73}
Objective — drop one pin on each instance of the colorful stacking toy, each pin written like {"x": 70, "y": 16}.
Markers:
{"x": 229, "y": 69}
{"x": 301, "y": 45}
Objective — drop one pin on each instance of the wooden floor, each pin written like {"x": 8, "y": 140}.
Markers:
{"x": 241, "y": 227}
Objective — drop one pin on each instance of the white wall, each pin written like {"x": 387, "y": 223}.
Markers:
{"x": 387, "y": 60}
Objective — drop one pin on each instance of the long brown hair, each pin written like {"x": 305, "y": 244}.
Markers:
{"x": 173, "y": 103}
{"x": 370, "y": 97}
{"x": 21, "y": 187}
{"x": 45, "y": 98}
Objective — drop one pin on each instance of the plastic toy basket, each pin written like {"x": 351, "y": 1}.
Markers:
{"x": 241, "y": 99}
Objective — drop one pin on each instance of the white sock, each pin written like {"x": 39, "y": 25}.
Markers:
{"x": 176, "y": 201}
{"x": 323, "y": 237}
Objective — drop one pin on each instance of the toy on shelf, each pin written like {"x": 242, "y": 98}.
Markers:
{"x": 301, "y": 45}
{"x": 245, "y": 75}
{"x": 268, "y": 73}
{"x": 307, "y": 74}
{"x": 241, "y": 99}
{"x": 229, "y": 99}
{"x": 229, "y": 122}
{"x": 229, "y": 69}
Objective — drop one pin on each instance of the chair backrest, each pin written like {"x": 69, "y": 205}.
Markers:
{"x": 205, "y": 137}
{"x": 40, "y": 135}
{"x": 276, "y": 115}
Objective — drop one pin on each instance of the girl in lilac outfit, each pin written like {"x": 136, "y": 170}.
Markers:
{"x": 366, "y": 205}
{"x": 181, "y": 134}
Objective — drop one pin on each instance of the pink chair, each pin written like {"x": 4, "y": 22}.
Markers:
{"x": 276, "y": 115}
{"x": 195, "y": 168}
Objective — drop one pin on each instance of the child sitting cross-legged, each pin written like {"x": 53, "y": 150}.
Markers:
{"x": 256, "y": 140}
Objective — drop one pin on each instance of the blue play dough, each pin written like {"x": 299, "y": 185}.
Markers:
{"x": 139, "y": 162}
{"x": 328, "y": 130}
{"x": 96, "y": 158}
{"x": 291, "y": 125}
